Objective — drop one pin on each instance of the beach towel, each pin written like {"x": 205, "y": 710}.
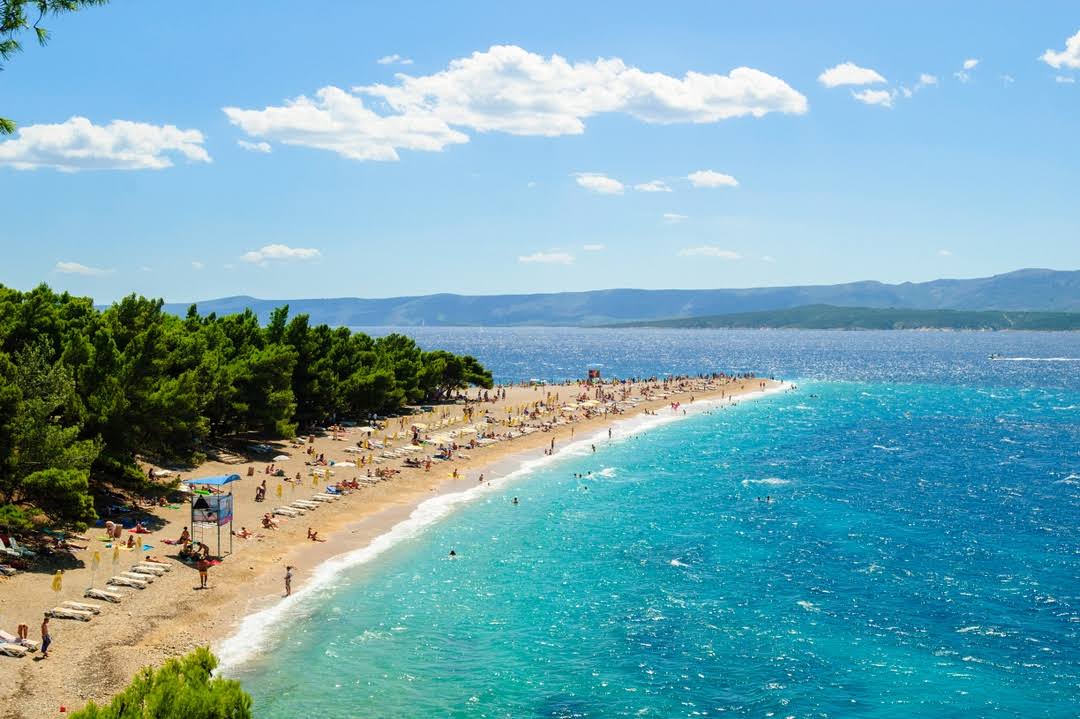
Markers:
{"x": 169, "y": 541}
{"x": 147, "y": 547}
{"x": 143, "y": 530}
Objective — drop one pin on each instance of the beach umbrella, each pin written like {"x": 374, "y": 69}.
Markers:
{"x": 58, "y": 581}
{"x": 281, "y": 458}
{"x": 95, "y": 562}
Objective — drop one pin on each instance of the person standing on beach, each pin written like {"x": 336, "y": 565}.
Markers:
{"x": 204, "y": 567}
{"x": 46, "y": 638}
{"x": 288, "y": 580}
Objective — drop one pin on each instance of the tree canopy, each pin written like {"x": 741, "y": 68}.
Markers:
{"x": 181, "y": 689}
{"x": 85, "y": 392}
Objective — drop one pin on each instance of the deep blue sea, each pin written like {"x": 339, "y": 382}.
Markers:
{"x": 919, "y": 555}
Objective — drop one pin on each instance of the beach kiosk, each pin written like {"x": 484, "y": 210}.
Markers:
{"x": 211, "y": 511}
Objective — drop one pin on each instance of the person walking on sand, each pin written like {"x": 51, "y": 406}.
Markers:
{"x": 288, "y": 580}
{"x": 204, "y": 567}
{"x": 46, "y": 638}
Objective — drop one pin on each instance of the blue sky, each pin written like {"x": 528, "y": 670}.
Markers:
{"x": 519, "y": 171}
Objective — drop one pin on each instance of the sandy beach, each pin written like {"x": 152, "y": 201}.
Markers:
{"x": 93, "y": 660}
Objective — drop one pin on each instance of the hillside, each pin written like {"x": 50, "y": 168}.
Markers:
{"x": 866, "y": 318}
{"x": 1032, "y": 289}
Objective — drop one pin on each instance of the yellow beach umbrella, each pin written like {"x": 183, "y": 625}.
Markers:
{"x": 95, "y": 562}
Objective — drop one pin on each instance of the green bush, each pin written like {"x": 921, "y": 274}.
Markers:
{"x": 181, "y": 689}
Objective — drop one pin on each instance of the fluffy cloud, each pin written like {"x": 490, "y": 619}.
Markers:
{"x": 599, "y": 182}
{"x": 674, "y": 218}
{"x": 768, "y": 258}
{"x": 709, "y": 178}
{"x": 848, "y": 73}
{"x": 548, "y": 258}
{"x": 79, "y": 144}
{"x": 74, "y": 268}
{"x": 1069, "y": 57}
{"x": 508, "y": 89}
{"x": 971, "y": 63}
{"x": 1064, "y": 79}
{"x": 593, "y": 248}
{"x": 339, "y": 122}
{"x": 653, "y": 186}
{"x": 944, "y": 253}
{"x": 394, "y": 59}
{"x": 926, "y": 79}
{"x": 254, "y": 146}
{"x": 710, "y": 251}
{"x": 875, "y": 97}
{"x": 282, "y": 253}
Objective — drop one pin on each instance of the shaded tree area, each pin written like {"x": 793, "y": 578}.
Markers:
{"x": 84, "y": 392}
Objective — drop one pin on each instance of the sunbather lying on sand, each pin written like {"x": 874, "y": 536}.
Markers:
{"x": 314, "y": 536}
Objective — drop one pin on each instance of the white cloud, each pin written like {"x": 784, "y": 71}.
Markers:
{"x": 548, "y": 258}
{"x": 196, "y": 265}
{"x": 848, "y": 73}
{"x": 653, "y": 186}
{"x": 394, "y": 59}
{"x": 530, "y": 184}
{"x": 944, "y": 253}
{"x": 593, "y": 248}
{"x": 263, "y": 147}
{"x": 926, "y": 80}
{"x": 1069, "y": 57}
{"x": 75, "y": 268}
{"x": 710, "y": 251}
{"x": 1064, "y": 80}
{"x": 599, "y": 182}
{"x": 969, "y": 64}
{"x": 1007, "y": 79}
{"x": 710, "y": 178}
{"x": 145, "y": 268}
{"x": 339, "y": 122}
{"x": 283, "y": 253}
{"x": 768, "y": 258}
{"x": 79, "y": 144}
{"x": 674, "y": 218}
{"x": 883, "y": 98}
{"x": 507, "y": 89}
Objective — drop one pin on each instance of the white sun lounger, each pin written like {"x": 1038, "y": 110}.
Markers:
{"x": 286, "y": 512}
{"x": 148, "y": 578}
{"x": 148, "y": 569}
{"x": 304, "y": 504}
{"x": 119, "y": 581}
{"x": 104, "y": 595}
{"x": 82, "y": 607}
{"x": 13, "y": 650}
{"x": 65, "y": 613}
{"x": 31, "y": 644}
{"x": 323, "y": 497}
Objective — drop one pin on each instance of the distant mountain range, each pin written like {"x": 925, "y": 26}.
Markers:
{"x": 1031, "y": 289}
{"x": 830, "y": 317}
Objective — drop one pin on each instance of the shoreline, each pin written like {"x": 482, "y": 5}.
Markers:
{"x": 254, "y": 629}
{"x": 96, "y": 659}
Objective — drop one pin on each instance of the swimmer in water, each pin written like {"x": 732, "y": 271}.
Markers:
{"x": 514, "y": 500}
{"x": 452, "y": 554}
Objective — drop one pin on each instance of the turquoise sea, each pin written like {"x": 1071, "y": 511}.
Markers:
{"x": 919, "y": 554}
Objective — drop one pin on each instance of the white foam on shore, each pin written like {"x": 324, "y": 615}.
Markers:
{"x": 255, "y": 630}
